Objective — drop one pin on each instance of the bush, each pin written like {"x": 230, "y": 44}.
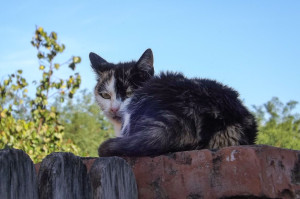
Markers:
{"x": 32, "y": 124}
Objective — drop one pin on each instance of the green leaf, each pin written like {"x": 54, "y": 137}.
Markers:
{"x": 44, "y": 102}
{"x": 40, "y": 55}
{"x": 54, "y": 35}
{"x": 63, "y": 48}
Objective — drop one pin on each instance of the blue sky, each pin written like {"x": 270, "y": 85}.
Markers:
{"x": 252, "y": 46}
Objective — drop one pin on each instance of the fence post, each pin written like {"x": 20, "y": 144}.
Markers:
{"x": 63, "y": 176}
{"x": 113, "y": 178}
{"x": 17, "y": 175}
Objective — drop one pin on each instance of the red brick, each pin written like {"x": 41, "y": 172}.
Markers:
{"x": 252, "y": 171}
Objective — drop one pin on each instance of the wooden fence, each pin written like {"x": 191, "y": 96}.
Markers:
{"x": 64, "y": 176}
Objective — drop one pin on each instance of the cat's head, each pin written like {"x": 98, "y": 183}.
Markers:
{"x": 117, "y": 82}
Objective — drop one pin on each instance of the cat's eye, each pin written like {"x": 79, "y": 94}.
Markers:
{"x": 105, "y": 95}
{"x": 129, "y": 93}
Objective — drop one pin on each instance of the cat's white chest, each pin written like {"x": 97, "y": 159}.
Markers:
{"x": 117, "y": 128}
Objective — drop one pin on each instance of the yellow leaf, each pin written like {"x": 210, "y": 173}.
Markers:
{"x": 76, "y": 59}
{"x": 3, "y": 114}
{"x": 18, "y": 128}
{"x": 52, "y": 115}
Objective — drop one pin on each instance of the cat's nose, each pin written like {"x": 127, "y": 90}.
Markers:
{"x": 114, "y": 109}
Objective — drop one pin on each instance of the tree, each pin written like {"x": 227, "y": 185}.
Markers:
{"x": 32, "y": 124}
{"x": 278, "y": 125}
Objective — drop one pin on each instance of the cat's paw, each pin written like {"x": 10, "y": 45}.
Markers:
{"x": 108, "y": 148}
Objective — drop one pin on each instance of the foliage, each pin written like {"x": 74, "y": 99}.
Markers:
{"x": 278, "y": 126}
{"x": 85, "y": 124}
{"x": 32, "y": 124}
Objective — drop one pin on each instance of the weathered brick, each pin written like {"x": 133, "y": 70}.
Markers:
{"x": 232, "y": 172}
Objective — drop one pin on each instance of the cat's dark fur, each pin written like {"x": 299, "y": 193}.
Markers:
{"x": 172, "y": 113}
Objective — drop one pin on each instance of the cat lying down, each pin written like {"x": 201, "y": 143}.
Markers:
{"x": 154, "y": 115}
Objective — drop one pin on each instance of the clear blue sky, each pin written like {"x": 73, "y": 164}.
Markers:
{"x": 252, "y": 46}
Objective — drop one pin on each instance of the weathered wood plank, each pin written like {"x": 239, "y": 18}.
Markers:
{"x": 63, "y": 176}
{"x": 17, "y": 175}
{"x": 112, "y": 178}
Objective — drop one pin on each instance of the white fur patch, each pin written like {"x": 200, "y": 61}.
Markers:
{"x": 112, "y": 103}
{"x": 126, "y": 115}
{"x": 126, "y": 123}
{"x": 117, "y": 128}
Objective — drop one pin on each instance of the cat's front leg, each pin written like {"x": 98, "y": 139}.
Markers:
{"x": 110, "y": 147}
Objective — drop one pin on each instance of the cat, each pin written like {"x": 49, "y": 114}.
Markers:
{"x": 117, "y": 82}
{"x": 170, "y": 113}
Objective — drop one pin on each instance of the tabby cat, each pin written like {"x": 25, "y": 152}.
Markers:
{"x": 155, "y": 115}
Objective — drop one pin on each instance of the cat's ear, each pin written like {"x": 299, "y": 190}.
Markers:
{"x": 145, "y": 62}
{"x": 98, "y": 63}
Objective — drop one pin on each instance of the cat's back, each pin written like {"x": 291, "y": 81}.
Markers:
{"x": 188, "y": 109}
{"x": 173, "y": 93}
{"x": 172, "y": 86}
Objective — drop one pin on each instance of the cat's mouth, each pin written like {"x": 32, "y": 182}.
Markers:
{"x": 117, "y": 118}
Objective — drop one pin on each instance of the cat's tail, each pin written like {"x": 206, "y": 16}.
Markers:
{"x": 130, "y": 146}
